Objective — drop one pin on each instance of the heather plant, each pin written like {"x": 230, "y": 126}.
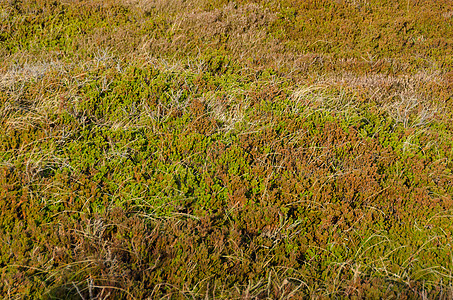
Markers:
{"x": 189, "y": 149}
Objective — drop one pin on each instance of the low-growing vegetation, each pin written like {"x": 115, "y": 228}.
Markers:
{"x": 226, "y": 150}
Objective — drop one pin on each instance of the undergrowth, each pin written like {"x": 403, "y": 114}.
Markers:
{"x": 249, "y": 150}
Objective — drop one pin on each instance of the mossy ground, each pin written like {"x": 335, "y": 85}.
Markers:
{"x": 188, "y": 149}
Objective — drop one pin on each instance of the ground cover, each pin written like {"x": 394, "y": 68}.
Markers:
{"x": 189, "y": 149}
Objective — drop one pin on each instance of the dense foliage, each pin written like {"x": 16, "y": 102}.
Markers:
{"x": 188, "y": 149}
